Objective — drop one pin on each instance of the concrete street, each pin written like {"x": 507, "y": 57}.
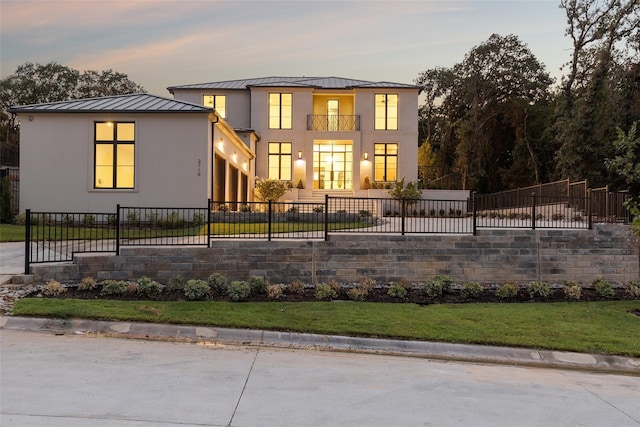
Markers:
{"x": 78, "y": 380}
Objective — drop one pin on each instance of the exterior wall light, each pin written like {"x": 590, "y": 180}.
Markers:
{"x": 299, "y": 155}
{"x": 366, "y": 155}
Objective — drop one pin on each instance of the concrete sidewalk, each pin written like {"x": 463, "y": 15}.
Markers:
{"x": 11, "y": 260}
{"x": 431, "y": 350}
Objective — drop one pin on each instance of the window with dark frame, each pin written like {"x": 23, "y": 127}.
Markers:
{"x": 280, "y": 157}
{"x": 114, "y": 155}
{"x": 280, "y": 110}
{"x": 386, "y": 111}
{"x": 217, "y": 102}
{"x": 385, "y": 161}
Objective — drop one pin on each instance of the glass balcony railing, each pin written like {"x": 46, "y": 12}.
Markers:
{"x": 333, "y": 122}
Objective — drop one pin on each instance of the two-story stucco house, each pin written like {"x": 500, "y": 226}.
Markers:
{"x": 328, "y": 133}
{"x": 212, "y": 140}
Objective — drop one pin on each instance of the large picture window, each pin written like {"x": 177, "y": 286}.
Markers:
{"x": 114, "y": 158}
{"x": 217, "y": 102}
{"x": 385, "y": 162}
{"x": 280, "y": 110}
{"x": 386, "y": 111}
{"x": 280, "y": 161}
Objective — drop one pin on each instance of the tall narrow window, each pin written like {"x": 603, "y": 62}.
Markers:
{"x": 386, "y": 114}
{"x": 385, "y": 161}
{"x": 280, "y": 161}
{"x": 114, "y": 158}
{"x": 280, "y": 110}
{"x": 333, "y": 114}
{"x": 217, "y": 102}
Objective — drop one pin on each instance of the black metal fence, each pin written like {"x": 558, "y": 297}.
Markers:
{"x": 13, "y": 173}
{"x": 58, "y": 236}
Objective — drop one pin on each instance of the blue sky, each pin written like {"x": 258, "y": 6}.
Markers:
{"x": 160, "y": 43}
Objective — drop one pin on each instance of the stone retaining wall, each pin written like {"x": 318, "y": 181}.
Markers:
{"x": 493, "y": 256}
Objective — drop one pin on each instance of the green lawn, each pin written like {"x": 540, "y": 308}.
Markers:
{"x": 594, "y": 327}
{"x": 15, "y": 233}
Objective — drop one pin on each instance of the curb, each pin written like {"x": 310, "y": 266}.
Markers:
{"x": 294, "y": 340}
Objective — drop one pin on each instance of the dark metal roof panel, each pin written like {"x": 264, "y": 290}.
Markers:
{"x": 134, "y": 103}
{"x": 313, "y": 82}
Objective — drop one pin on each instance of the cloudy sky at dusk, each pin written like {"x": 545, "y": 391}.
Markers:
{"x": 160, "y": 43}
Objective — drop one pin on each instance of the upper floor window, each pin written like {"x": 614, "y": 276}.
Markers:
{"x": 114, "y": 157}
{"x": 386, "y": 114}
{"x": 280, "y": 161}
{"x": 385, "y": 162}
{"x": 280, "y": 110}
{"x": 218, "y": 103}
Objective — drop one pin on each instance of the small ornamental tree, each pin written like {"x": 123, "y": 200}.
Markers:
{"x": 270, "y": 189}
{"x": 408, "y": 191}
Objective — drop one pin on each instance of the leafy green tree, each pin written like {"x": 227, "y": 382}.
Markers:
{"x": 37, "y": 83}
{"x": 592, "y": 101}
{"x": 405, "y": 190}
{"x": 480, "y": 108}
{"x": 270, "y": 189}
{"x": 6, "y": 213}
{"x": 626, "y": 163}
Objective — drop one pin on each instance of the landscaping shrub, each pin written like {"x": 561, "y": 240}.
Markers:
{"x": 471, "y": 290}
{"x": 603, "y": 288}
{"x": 325, "y": 292}
{"x": 87, "y": 284}
{"x": 633, "y": 290}
{"x": 148, "y": 288}
{"x": 335, "y": 285}
{"x": 258, "y": 284}
{"x": 113, "y": 287}
{"x": 239, "y": 290}
{"x": 196, "y": 290}
{"x": 296, "y": 287}
{"x": 438, "y": 286}
{"x": 177, "y": 284}
{"x": 538, "y": 289}
{"x": 218, "y": 283}
{"x": 358, "y": 293}
{"x": 507, "y": 291}
{"x": 275, "y": 291}
{"x": 53, "y": 288}
{"x": 572, "y": 290}
{"x": 396, "y": 290}
{"x": 88, "y": 219}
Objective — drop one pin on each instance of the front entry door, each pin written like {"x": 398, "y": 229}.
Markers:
{"x": 332, "y": 165}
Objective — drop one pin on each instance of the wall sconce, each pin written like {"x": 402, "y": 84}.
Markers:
{"x": 366, "y": 155}
{"x": 299, "y": 155}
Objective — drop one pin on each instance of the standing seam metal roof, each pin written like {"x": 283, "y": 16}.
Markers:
{"x": 312, "y": 82}
{"x": 133, "y": 103}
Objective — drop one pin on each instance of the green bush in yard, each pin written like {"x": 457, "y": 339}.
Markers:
{"x": 196, "y": 290}
{"x": 218, "y": 283}
{"x": 325, "y": 292}
{"x": 396, "y": 290}
{"x": 539, "y": 289}
{"x": 113, "y": 287}
{"x": 258, "y": 284}
{"x": 148, "y": 288}
{"x": 572, "y": 290}
{"x": 471, "y": 290}
{"x": 603, "y": 288}
{"x": 239, "y": 290}
{"x": 438, "y": 286}
{"x": 633, "y": 290}
{"x": 507, "y": 291}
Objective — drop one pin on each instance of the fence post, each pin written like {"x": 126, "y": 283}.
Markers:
{"x": 403, "y": 214}
{"x": 208, "y": 223}
{"x": 27, "y": 240}
{"x": 118, "y": 229}
{"x": 475, "y": 213}
{"x": 326, "y": 217}
{"x": 533, "y": 212}
{"x": 589, "y": 210}
{"x": 269, "y": 223}
{"x": 606, "y": 204}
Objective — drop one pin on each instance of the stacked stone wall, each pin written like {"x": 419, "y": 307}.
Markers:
{"x": 492, "y": 256}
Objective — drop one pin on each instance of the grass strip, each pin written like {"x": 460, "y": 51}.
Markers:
{"x": 592, "y": 327}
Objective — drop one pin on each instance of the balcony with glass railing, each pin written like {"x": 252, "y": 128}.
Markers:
{"x": 338, "y": 123}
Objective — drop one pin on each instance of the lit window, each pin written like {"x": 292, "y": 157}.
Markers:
{"x": 385, "y": 160}
{"x": 280, "y": 161}
{"x": 386, "y": 115}
{"x": 114, "y": 155}
{"x": 280, "y": 110}
{"x": 218, "y": 103}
